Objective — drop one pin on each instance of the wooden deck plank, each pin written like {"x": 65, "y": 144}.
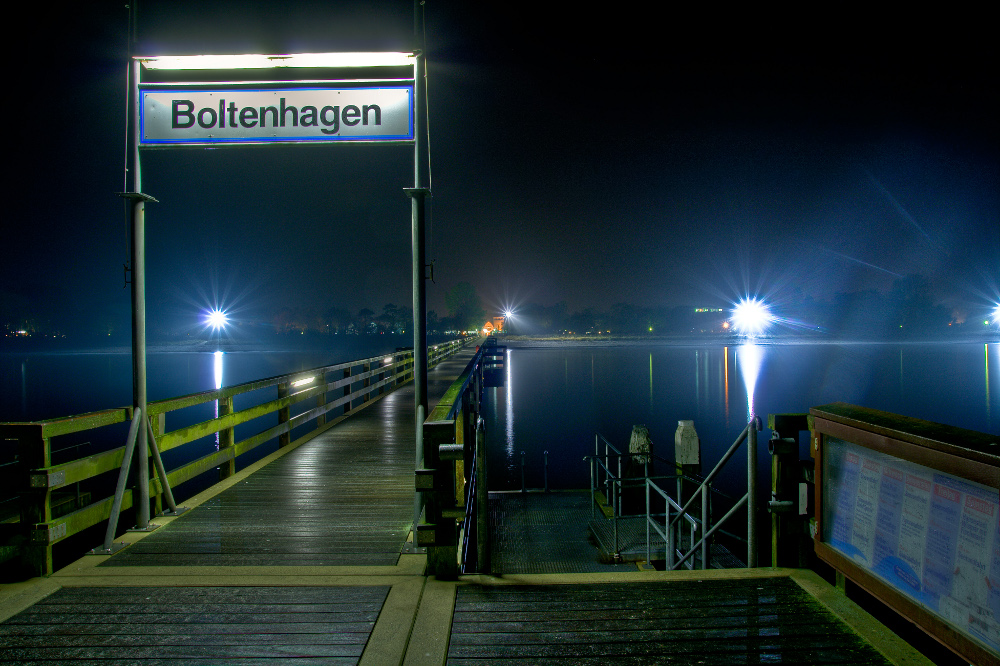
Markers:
{"x": 708, "y": 621}
{"x": 195, "y": 624}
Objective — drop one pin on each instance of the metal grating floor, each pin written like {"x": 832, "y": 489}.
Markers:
{"x": 544, "y": 533}
{"x": 632, "y": 543}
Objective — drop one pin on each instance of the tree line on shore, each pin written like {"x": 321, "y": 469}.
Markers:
{"x": 908, "y": 311}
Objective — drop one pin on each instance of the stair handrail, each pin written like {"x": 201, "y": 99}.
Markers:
{"x": 749, "y": 433}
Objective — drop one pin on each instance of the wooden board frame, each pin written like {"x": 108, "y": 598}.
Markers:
{"x": 897, "y": 437}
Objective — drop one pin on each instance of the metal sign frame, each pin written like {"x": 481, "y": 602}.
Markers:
{"x": 205, "y": 67}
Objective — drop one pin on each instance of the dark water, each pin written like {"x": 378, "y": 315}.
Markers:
{"x": 556, "y": 398}
{"x": 39, "y": 385}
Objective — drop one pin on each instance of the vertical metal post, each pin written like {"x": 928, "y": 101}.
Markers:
{"x": 138, "y": 260}
{"x": 417, "y": 194}
{"x": 704, "y": 526}
{"x": 482, "y": 500}
{"x": 649, "y": 560}
{"x": 668, "y": 540}
{"x": 593, "y": 488}
{"x": 752, "y": 492}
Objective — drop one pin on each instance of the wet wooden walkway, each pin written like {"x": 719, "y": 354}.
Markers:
{"x": 344, "y": 498}
{"x": 299, "y": 559}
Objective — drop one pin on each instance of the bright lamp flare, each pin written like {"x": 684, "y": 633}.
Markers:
{"x": 751, "y": 317}
{"x": 996, "y": 315}
{"x": 217, "y": 319}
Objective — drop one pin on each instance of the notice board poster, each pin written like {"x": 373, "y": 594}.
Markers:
{"x": 932, "y": 536}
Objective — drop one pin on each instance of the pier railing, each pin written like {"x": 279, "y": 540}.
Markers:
{"x": 686, "y": 523}
{"x": 451, "y": 481}
{"x": 610, "y": 483}
{"x": 700, "y": 527}
{"x": 272, "y": 408}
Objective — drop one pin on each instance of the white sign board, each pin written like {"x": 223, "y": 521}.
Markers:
{"x": 184, "y": 117}
{"x": 932, "y": 536}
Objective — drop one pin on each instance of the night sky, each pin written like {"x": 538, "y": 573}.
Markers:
{"x": 593, "y": 156}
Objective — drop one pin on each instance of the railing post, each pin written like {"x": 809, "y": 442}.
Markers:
{"x": 228, "y": 468}
{"x": 461, "y": 417}
{"x": 321, "y": 398}
{"x": 285, "y": 438}
{"x": 648, "y": 553}
{"x": 482, "y": 500}
{"x": 618, "y": 495}
{"x": 752, "y": 493}
{"x": 347, "y": 388}
{"x": 593, "y": 489}
{"x": 668, "y": 533}
{"x": 704, "y": 527}
{"x": 35, "y": 452}
{"x": 367, "y": 382}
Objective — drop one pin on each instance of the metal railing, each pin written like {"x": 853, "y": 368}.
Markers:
{"x": 608, "y": 485}
{"x": 354, "y": 383}
{"x": 451, "y": 479}
{"x": 701, "y": 528}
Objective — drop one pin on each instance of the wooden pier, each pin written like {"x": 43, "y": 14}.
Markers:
{"x": 301, "y": 558}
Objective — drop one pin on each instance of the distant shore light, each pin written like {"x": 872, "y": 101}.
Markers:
{"x": 217, "y": 319}
{"x": 751, "y": 317}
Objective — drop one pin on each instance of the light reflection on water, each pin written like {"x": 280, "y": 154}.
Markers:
{"x": 986, "y": 355}
{"x": 217, "y": 367}
{"x": 750, "y": 358}
{"x": 508, "y": 399}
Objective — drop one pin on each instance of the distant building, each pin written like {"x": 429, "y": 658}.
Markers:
{"x": 493, "y": 326}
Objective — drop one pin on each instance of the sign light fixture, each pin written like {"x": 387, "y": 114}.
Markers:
{"x": 259, "y": 61}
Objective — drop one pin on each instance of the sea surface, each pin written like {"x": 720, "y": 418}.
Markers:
{"x": 556, "y": 396}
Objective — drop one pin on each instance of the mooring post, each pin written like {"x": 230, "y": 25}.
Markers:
{"x": 687, "y": 455}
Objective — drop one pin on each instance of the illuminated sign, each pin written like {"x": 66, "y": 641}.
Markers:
{"x": 933, "y": 537}
{"x": 211, "y": 116}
